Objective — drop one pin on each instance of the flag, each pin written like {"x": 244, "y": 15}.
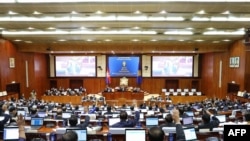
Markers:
{"x": 139, "y": 77}
{"x": 108, "y": 79}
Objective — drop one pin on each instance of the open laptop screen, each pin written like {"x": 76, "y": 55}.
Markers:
{"x": 41, "y": 114}
{"x": 66, "y": 115}
{"x": 81, "y": 133}
{"x": 113, "y": 121}
{"x": 21, "y": 112}
{"x": 222, "y": 118}
{"x": 135, "y": 134}
{"x": 190, "y": 134}
{"x": 152, "y": 121}
{"x": 187, "y": 120}
{"x": 11, "y": 133}
{"x": 190, "y": 113}
{"x": 36, "y": 122}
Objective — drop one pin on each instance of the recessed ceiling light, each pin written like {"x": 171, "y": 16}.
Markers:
{"x": 210, "y": 28}
{"x": 74, "y": 12}
{"x": 163, "y": 12}
{"x": 12, "y": 13}
{"x": 215, "y": 42}
{"x": 17, "y": 40}
{"x": 31, "y": 28}
{"x": 107, "y": 40}
{"x": 104, "y": 27}
{"x": 153, "y": 40}
{"x": 89, "y": 40}
{"x": 136, "y": 27}
{"x": 199, "y": 40}
{"x": 51, "y": 28}
{"x": 82, "y": 27}
{"x": 62, "y": 40}
{"x": 201, "y": 12}
{"x": 137, "y": 12}
{"x": 99, "y": 12}
{"x": 135, "y": 40}
{"x": 226, "y": 12}
{"x": 226, "y": 40}
{"x": 36, "y": 13}
{"x": 29, "y": 42}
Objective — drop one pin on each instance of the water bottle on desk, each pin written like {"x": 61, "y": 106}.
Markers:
{"x": 170, "y": 137}
{"x": 138, "y": 124}
{"x": 52, "y": 137}
{"x": 99, "y": 123}
{"x": 109, "y": 137}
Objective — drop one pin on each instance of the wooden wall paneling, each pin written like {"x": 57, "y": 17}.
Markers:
{"x": 32, "y": 81}
{"x": 172, "y": 84}
{"x": 92, "y": 85}
{"x": 238, "y": 49}
{"x": 63, "y": 83}
{"x": 247, "y": 72}
{"x": 40, "y": 74}
{"x": 75, "y": 83}
{"x": 8, "y": 74}
{"x": 207, "y": 74}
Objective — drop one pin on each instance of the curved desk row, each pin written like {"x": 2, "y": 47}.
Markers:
{"x": 120, "y": 98}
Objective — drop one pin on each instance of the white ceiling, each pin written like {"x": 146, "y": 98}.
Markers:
{"x": 95, "y": 27}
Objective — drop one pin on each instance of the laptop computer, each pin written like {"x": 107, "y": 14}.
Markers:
{"x": 113, "y": 121}
{"x": 189, "y": 113}
{"x": 36, "y": 123}
{"x": 41, "y": 114}
{"x": 152, "y": 121}
{"x": 141, "y": 116}
{"x": 81, "y": 133}
{"x": 11, "y": 133}
{"x": 190, "y": 134}
{"x": 135, "y": 134}
{"x": 222, "y": 118}
{"x": 66, "y": 115}
{"x": 21, "y": 112}
{"x": 188, "y": 122}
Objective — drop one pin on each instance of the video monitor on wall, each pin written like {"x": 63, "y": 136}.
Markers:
{"x": 120, "y": 66}
{"x": 75, "y": 66}
{"x": 172, "y": 66}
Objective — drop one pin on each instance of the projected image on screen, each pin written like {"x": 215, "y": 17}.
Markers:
{"x": 172, "y": 66}
{"x": 71, "y": 66}
{"x": 123, "y": 66}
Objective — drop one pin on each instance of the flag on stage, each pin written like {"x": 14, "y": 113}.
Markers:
{"x": 139, "y": 76}
{"x": 108, "y": 78}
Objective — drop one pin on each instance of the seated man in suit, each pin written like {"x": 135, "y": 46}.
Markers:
{"x": 157, "y": 134}
{"x": 73, "y": 122}
{"x": 152, "y": 98}
{"x": 108, "y": 89}
{"x": 168, "y": 121}
{"x": 209, "y": 121}
{"x": 109, "y": 112}
{"x": 125, "y": 122}
{"x": 159, "y": 98}
{"x": 168, "y": 99}
{"x": 123, "y": 88}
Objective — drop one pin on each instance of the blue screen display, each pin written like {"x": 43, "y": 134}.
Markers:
{"x": 123, "y": 66}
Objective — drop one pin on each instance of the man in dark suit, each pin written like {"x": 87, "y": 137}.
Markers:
{"x": 73, "y": 122}
{"x": 124, "y": 122}
{"x": 168, "y": 121}
{"x": 209, "y": 121}
{"x": 157, "y": 134}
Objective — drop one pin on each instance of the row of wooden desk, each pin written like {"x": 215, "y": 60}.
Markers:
{"x": 93, "y": 135}
{"x": 121, "y": 98}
